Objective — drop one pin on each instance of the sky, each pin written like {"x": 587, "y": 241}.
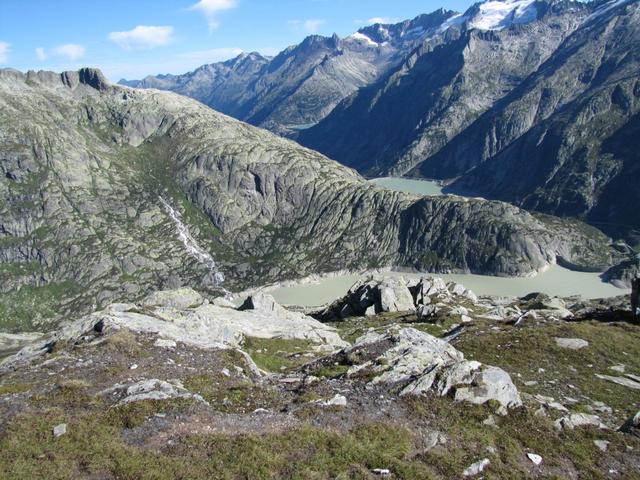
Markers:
{"x": 134, "y": 38}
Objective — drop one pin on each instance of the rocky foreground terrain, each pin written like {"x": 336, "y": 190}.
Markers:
{"x": 109, "y": 193}
{"x": 403, "y": 379}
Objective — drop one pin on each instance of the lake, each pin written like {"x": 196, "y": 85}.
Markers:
{"x": 408, "y": 185}
{"x": 555, "y": 281}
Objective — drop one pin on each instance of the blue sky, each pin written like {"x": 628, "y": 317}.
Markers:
{"x": 134, "y": 38}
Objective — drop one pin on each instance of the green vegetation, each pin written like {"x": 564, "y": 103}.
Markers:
{"x": 229, "y": 396}
{"x": 27, "y": 307}
{"x": 331, "y": 371}
{"x": 353, "y": 328}
{"x": 277, "y": 354}
{"x": 11, "y": 388}
{"x": 506, "y": 445}
{"x": 93, "y": 448}
{"x": 572, "y": 373}
{"x": 133, "y": 415}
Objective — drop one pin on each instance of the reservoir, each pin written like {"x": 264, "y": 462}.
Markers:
{"x": 555, "y": 281}
{"x": 408, "y": 185}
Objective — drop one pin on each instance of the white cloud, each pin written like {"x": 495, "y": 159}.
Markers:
{"x": 211, "y": 8}
{"x": 308, "y": 26}
{"x": 70, "y": 50}
{"x": 383, "y": 20}
{"x": 143, "y": 37}
{"x": 40, "y": 53}
{"x": 374, "y": 20}
{"x": 4, "y": 52}
{"x": 212, "y": 55}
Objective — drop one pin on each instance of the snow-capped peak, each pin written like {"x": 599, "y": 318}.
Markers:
{"x": 499, "y": 14}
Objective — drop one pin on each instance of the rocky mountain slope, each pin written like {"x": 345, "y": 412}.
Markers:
{"x": 108, "y": 193}
{"x": 303, "y": 83}
{"x": 563, "y": 142}
{"x": 442, "y": 88}
{"x": 537, "y": 112}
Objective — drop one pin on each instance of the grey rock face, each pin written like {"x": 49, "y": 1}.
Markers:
{"x": 83, "y": 223}
{"x": 581, "y": 109}
{"x": 375, "y": 295}
{"x": 199, "y": 324}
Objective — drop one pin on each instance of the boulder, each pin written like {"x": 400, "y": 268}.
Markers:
{"x": 575, "y": 420}
{"x": 153, "y": 389}
{"x": 490, "y": 383}
{"x": 180, "y": 299}
{"x": 457, "y": 289}
{"x": 552, "y": 305}
{"x": 59, "y": 430}
{"x": 337, "y": 401}
{"x": 395, "y": 296}
{"x": 571, "y": 343}
{"x": 535, "y": 458}
{"x": 419, "y": 362}
{"x": 426, "y": 311}
{"x": 624, "y": 381}
{"x": 476, "y": 468}
{"x": 632, "y": 426}
{"x": 164, "y": 343}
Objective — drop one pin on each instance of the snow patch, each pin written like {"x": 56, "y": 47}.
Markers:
{"x": 496, "y": 15}
{"x": 361, "y": 37}
{"x": 453, "y": 21}
{"x": 414, "y": 32}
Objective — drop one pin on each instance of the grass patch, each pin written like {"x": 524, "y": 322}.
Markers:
{"x": 12, "y": 388}
{"x": 571, "y": 373}
{"x": 331, "y": 371}
{"x": 519, "y": 433}
{"x": 277, "y": 354}
{"x": 66, "y": 394}
{"x": 231, "y": 396}
{"x": 355, "y": 327}
{"x": 93, "y": 447}
{"x": 134, "y": 414}
{"x": 28, "y": 307}
{"x": 123, "y": 341}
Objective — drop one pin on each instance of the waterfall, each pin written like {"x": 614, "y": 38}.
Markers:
{"x": 215, "y": 276}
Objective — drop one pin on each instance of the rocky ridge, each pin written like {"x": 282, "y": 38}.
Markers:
{"x": 303, "y": 83}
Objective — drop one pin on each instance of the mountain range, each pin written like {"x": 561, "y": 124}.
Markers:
{"x": 303, "y": 83}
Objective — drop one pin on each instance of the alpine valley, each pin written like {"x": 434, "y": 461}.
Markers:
{"x": 164, "y": 244}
